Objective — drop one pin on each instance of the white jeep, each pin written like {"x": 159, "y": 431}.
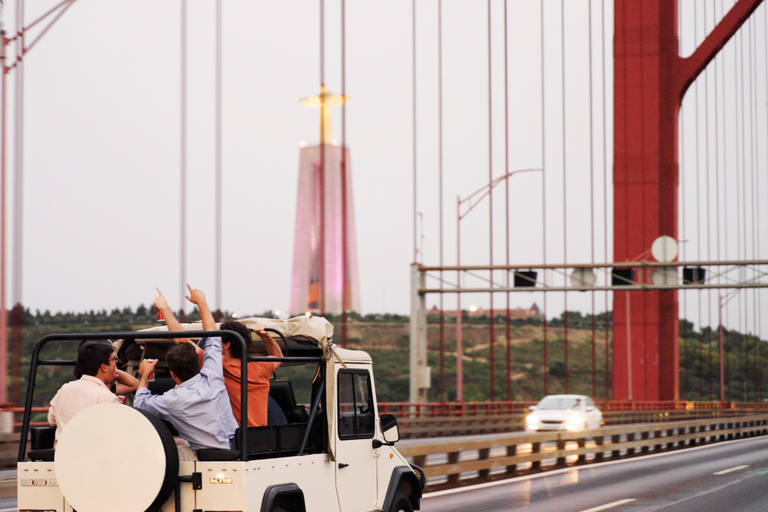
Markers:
{"x": 334, "y": 454}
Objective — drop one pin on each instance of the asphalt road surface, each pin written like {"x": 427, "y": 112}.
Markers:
{"x": 730, "y": 476}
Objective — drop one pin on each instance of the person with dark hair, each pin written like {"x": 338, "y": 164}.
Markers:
{"x": 259, "y": 373}
{"x": 97, "y": 365}
{"x": 124, "y": 382}
{"x": 198, "y": 407}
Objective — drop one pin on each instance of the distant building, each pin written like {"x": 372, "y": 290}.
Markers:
{"x": 474, "y": 312}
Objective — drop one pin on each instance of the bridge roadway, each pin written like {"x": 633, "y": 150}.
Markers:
{"x": 731, "y": 475}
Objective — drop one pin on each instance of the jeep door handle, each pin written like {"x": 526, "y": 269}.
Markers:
{"x": 342, "y": 465}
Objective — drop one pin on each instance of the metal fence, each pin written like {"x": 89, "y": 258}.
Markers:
{"x": 449, "y": 463}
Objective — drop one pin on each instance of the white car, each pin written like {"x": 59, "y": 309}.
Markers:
{"x": 563, "y": 412}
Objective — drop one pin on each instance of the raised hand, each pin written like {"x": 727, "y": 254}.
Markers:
{"x": 195, "y": 296}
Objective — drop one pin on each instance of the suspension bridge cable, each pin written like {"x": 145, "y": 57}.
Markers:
{"x": 592, "y": 190}
{"x": 344, "y": 235}
{"x": 183, "y": 170}
{"x": 605, "y": 195}
{"x": 490, "y": 203}
{"x": 565, "y": 196}
{"x": 544, "y": 199}
{"x": 506, "y": 185}
{"x": 725, "y": 184}
{"x": 753, "y": 188}
{"x": 682, "y": 214}
{"x": 707, "y": 203}
{"x": 413, "y": 107}
{"x": 440, "y": 170}
{"x": 698, "y": 204}
{"x": 219, "y": 304}
{"x": 323, "y": 281}
{"x": 716, "y": 63}
{"x": 740, "y": 215}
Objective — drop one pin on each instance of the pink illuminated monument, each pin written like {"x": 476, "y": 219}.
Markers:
{"x": 325, "y": 275}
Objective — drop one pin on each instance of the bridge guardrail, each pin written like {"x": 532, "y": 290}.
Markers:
{"x": 440, "y": 419}
{"x": 591, "y": 445}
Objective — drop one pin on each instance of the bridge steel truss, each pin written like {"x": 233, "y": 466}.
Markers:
{"x": 644, "y": 278}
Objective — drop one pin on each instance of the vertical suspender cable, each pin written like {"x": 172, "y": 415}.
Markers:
{"x": 760, "y": 293}
{"x": 721, "y": 362}
{"x": 18, "y": 159}
{"x": 592, "y": 193}
{"x": 605, "y": 200}
{"x": 506, "y": 183}
{"x": 684, "y": 394}
{"x": 698, "y": 206}
{"x": 708, "y": 195}
{"x": 345, "y": 290}
{"x": 3, "y": 210}
{"x": 740, "y": 201}
{"x": 565, "y": 196}
{"x": 544, "y": 200}
{"x": 753, "y": 152}
{"x": 490, "y": 208}
{"x": 724, "y": 210}
{"x": 440, "y": 191}
{"x": 413, "y": 76}
{"x": 739, "y": 157}
{"x": 321, "y": 178}
{"x": 183, "y": 155}
{"x": 219, "y": 304}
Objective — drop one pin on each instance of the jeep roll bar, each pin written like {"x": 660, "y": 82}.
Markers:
{"x": 140, "y": 335}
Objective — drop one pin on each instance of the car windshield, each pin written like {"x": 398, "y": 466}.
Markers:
{"x": 558, "y": 403}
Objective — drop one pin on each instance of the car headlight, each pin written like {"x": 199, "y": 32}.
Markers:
{"x": 573, "y": 422}
{"x": 532, "y": 421}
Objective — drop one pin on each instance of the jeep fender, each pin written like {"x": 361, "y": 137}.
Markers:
{"x": 284, "y": 497}
{"x": 403, "y": 476}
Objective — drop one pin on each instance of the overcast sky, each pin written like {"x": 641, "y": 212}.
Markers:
{"x": 102, "y": 144}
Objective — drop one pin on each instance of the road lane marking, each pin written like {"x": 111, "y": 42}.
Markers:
{"x": 552, "y": 472}
{"x": 726, "y": 471}
{"x": 609, "y": 505}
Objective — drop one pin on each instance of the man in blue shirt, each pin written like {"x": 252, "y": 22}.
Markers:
{"x": 198, "y": 407}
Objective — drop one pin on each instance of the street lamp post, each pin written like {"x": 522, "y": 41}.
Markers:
{"x": 472, "y": 201}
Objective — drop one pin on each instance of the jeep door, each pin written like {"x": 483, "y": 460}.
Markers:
{"x": 356, "y": 420}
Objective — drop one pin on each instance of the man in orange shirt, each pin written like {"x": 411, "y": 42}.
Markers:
{"x": 259, "y": 373}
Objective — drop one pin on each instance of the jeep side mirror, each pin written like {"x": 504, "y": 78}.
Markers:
{"x": 389, "y": 428}
{"x": 531, "y": 407}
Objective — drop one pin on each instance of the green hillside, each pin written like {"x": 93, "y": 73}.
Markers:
{"x": 386, "y": 339}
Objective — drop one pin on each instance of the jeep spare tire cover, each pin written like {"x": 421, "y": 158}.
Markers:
{"x": 107, "y": 449}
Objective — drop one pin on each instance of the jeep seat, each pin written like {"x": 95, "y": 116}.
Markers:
{"x": 282, "y": 392}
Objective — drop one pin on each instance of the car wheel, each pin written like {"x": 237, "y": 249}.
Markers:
{"x": 401, "y": 503}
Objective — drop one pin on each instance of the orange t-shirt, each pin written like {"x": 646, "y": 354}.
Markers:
{"x": 258, "y": 389}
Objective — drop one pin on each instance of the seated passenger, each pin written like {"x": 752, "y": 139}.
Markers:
{"x": 198, "y": 407}
{"x": 259, "y": 373}
{"x": 97, "y": 367}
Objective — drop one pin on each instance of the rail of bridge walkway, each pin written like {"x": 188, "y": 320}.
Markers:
{"x": 452, "y": 463}
{"x": 469, "y": 418}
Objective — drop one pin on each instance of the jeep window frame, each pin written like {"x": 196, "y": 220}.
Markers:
{"x": 355, "y": 374}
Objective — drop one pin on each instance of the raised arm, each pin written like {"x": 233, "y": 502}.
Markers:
{"x": 145, "y": 368}
{"x": 273, "y": 349}
{"x": 197, "y": 297}
{"x": 170, "y": 319}
{"x": 126, "y": 383}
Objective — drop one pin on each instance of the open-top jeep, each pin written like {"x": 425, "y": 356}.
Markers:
{"x": 333, "y": 454}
